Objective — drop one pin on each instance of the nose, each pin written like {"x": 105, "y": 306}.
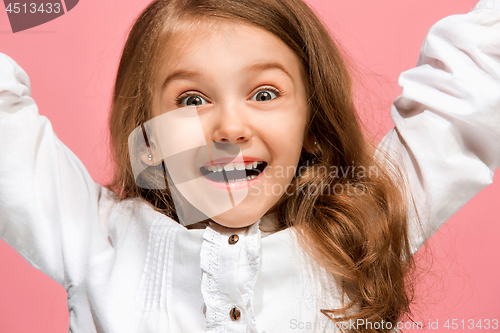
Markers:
{"x": 231, "y": 125}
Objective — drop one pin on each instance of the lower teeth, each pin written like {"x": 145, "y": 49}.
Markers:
{"x": 242, "y": 179}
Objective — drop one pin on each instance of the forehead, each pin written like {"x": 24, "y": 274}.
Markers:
{"x": 226, "y": 47}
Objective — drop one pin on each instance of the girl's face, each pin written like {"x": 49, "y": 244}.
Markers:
{"x": 248, "y": 90}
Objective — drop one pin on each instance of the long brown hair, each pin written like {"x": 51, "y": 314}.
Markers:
{"x": 359, "y": 236}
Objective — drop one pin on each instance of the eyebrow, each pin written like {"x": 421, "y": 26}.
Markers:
{"x": 179, "y": 74}
{"x": 266, "y": 66}
{"x": 259, "y": 67}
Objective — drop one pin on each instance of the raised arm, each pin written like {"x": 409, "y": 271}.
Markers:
{"x": 49, "y": 206}
{"x": 447, "y": 119}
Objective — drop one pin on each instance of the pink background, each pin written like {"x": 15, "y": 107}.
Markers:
{"x": 72, "y": 61}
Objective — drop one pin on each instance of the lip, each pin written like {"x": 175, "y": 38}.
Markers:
{"x": 228, "y": 160}
{"x": 235, "y": 185}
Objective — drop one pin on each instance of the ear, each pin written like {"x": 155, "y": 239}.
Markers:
{"x": 309, "y": 144}
{"x": 148, "y": 158}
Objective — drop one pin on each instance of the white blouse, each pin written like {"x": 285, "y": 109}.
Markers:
{"x": 127, "y": 268}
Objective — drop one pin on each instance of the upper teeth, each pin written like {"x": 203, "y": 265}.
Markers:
{"x": 232, "y": 167}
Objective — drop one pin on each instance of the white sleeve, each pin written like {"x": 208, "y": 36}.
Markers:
{"x": 447, "y": 133}
{"x": 49, "y": 205}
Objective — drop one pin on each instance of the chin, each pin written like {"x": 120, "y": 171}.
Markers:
{"x": 239, "y": 217}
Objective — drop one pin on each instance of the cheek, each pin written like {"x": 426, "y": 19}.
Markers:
{"x": 289, "y": 137}
{"x": 286, "y": 153}
{"x": 285, "y": 148}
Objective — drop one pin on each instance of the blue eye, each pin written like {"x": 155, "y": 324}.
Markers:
{"x": 191, "y": 100}
{"x": 267, "y": 94}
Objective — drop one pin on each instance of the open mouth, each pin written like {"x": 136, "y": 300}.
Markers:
{"x": 231, "y": 173}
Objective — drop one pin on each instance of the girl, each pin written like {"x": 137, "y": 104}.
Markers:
{"x": 266, "y": 77}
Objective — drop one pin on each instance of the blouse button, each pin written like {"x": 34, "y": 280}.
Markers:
{"x": 233, "y": 239}
{"x": 235, "y": 313}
